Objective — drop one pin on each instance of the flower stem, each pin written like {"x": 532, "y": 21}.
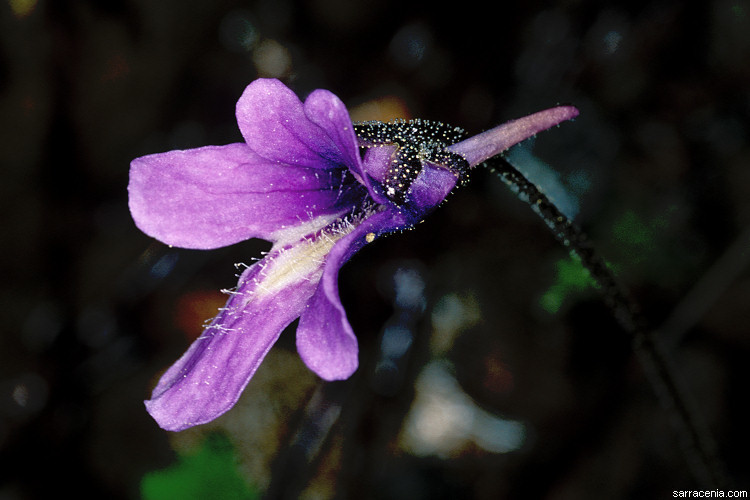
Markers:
{"x": 697, "y": 443}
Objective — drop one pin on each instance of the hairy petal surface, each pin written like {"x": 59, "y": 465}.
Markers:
{"x": 375, "y": 166}
{"x": 209, "y": 378}
{"x": 429, "y": 189}
{"x": 218, "y": 195}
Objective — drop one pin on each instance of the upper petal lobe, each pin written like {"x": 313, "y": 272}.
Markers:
{"x": 218, "y": 195}
{"x": 277, "y": 126}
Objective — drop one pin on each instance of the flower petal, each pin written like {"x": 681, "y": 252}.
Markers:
{"x": 429, "y": 189}
{"x": 209, "y": 378}
{"x": 325, "y": 339}
{"x": 375, "y": 167}
{"x": 278, "y": 127}
{"x": 327, "y": 111}
{"x": 218, "y": 195}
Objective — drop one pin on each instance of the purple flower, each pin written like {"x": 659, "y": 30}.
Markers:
{"x": 319, "y": 188}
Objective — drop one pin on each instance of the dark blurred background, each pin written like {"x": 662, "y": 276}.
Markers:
{"x": 489, "y": 369}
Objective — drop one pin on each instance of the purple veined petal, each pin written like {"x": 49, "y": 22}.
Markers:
{"x": 218, "y": 195}
{"x": 480, "y": 147}
{"x": 327, "y": 111}
{"x": 375, "y": 166}
{"x": 429, "y": 189}
{"x": 209, "y": 378}
{"x": 377, "y": 161}
{"x": 276, "y": 125}
{"x": 325, "y": 339}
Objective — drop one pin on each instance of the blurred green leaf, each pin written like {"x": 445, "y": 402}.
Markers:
{"x": 571, "y": 277}
{"x": 210, "y": 472}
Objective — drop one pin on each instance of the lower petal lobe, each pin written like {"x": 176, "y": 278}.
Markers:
{"x": 325, "y": 339}
{"x": 209, "y": 378}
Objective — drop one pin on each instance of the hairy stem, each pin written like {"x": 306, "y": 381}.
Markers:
{"x": 698, "y": 445}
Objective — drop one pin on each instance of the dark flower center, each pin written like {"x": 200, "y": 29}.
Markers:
{"x": 417, "y": 141}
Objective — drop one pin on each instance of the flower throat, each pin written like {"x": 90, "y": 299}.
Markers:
{"x": 416, "y": 141}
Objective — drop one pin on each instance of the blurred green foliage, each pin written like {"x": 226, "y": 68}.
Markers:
{"x": 570, "y": 278}
{"x": 209, "y": 472}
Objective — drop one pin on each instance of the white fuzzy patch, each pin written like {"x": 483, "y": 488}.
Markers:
{"x": 303, "y": 260}
{"x": 287, "y": 235}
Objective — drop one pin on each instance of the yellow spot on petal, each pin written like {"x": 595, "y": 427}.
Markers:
{"x": 370, "y": 237}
